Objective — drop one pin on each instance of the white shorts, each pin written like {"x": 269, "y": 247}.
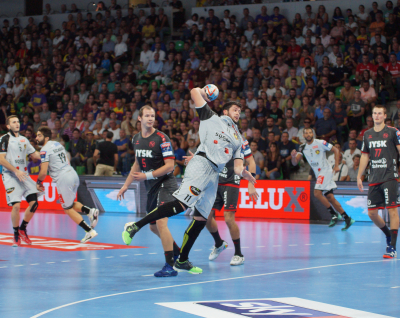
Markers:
{"x": 199, "y": 186}
{"x": 15, "y": 189}
{"x": 67, "y": 186}
{"x": 325, "y": 182}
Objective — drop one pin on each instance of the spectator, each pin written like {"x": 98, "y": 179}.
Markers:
{"x": 349, "y": 154}
{"x": 285, "y": 148}
{"x": 340, "y": 117}
{"x": 106, "y": 157}
{"x": 273, "y": 162}
{"x": 262, "y": 144}
{"x": 122, "y": 143}
{"x": 353, "y": 172}
{"x": 325, "y": 127}
{"x": 77, "y": 148}
{"x": 179, "y": 153}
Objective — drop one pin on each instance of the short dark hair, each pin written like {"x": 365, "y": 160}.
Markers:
{"x": 45, "y": 131}
{"x": 109, "y": 135}
{"x": 177, "y": 141}
{"x": 76, "y": 129}
{"x": 228, "y": 105}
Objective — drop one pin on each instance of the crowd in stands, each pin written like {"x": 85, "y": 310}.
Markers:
{"x": 323, "y": 70}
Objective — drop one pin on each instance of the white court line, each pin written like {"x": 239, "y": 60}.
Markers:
{"x": 376, "y": 241}
{"x": 147, "y": 275}
{"x": 95, "y": 258}
{"x": 126, "y": 255}
{"x": 260, "y": 246}
{"x": 277, "y": 245}
{"x": 206, "y": 282}
{"x": 133, "y": 254}
{"x": 326, "y": 243}
{"x": 244, "y": 247}
{"x": 50, "y": 262}
{"x": 309, "y": 244}
{"x": 34, "y": 264}
{"x": 152, "y": 253}
{"x": 3, "y": 266}
{"x": 292, "y": 244}
{"x": 65, "y": 261}
{"x": 109, "y": 256}
{"x": 395, "y": 287}
{"x": 343, "y": 243}
{"x": 197, "y": 250}
{"x": 359, "y": 242}
{"x": 18, "y": 265}
{"x": 82, "y": 259}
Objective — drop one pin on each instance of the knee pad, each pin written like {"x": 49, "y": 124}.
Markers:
{"x": 29, "y": 199}
{"x": 195, "y": 227}
{"x": 34, "y": 207}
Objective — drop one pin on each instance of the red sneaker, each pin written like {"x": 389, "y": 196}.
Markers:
{"x": 24, "y": 237}
{"x": 16, "y": 242}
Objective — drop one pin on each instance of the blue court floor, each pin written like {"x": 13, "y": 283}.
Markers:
{"x": 302, "y": 267}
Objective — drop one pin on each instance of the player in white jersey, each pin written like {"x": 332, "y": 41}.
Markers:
{"x": 54, "y": 160}
{"x": 14, "y": 151}
{"x": 220, "y": 141}
{"x": 314, "y": 151}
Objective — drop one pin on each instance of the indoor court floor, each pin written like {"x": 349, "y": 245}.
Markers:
{"x": 292, "y": 269}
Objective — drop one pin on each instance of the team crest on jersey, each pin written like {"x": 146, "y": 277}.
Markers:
{"x": 317, "y": 152}
{"x": 385, "y": 135}
{"x": 195, "y": 191}
{"x": 24, "y": 146}
{"x": 9, "y": 190}
{"x": 236, "y": 136}
{"x": 152, "y": 144}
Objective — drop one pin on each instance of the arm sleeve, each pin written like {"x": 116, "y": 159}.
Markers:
{"x": 239, "y": 153}
{"x": 205, "y": 112}
{"x": 44, "y": 156}
{"x": 4, "y": 143}
{"x": 364, "y": 147}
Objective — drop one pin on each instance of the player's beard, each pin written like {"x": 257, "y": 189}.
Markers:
{"x": 309, "y": 139}
{"x": 40, "y": 142}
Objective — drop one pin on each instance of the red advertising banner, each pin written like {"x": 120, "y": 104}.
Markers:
{"x": 48, "y": 201}
{"x": 277, "y": 200}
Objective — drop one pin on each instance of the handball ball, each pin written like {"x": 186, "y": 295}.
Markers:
{"x": 211, "y": 91}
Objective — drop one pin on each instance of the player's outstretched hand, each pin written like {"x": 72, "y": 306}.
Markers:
{"x": 247, "y": 175}
{"x": 253, "y": 193}
{"x": 336, "y": 169}
{"x": 188, "y": 158}
{"x": 121, "y": 193}
{"x": 139, "y": 176}
{"x": 21, "y": 175}
{"x": 360, "y": 185}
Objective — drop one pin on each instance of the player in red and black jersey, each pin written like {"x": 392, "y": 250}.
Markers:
{"x": 381, "y": 147}
{"x": 154, "y": 164}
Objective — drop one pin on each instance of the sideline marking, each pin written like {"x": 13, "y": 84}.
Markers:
{"x": 206, "y": 282}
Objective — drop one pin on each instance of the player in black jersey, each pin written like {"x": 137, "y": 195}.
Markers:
{"x": 154, "y": 164}
{"x": 379, "y": 147}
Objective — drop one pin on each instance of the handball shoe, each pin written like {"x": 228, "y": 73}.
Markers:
{"x": 237, "y": 260}
{"x": 186, "y": 266}
{"x": 130, "y": 229}
{"x": 88, "y": 236}
{"x": 349, "y": 222}
{"x": 16, "y": 241}
{"x": 93, "y": 217}
{"x": 388, "y": 241}
{"x": 24, "y": 237}
{"x": 333, "y": 221}
{"x": 217, "y": 250}
{"x": 166, "y": 271}
{"x": 390, "y": 252}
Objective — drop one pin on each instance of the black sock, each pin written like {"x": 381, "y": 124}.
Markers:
{"x": 386, "y": 230}
{"x": 84, "y": 226}
{"x": 16, "y": 234}
{"x": 85, "y": 209}
{"x": 23, "y": 225}
{"x": 332, "y": 211}
{"x": 177, "y": 249}
{"x": 236, "y": 243}
{"x": 169, "y": 258}
{"x": 166, "y": 210}
{"x": 191, "y": 234}
{"x": 394, "y": 238}
{"x": 345, "y": 216}
{"x": 217, "y": 239}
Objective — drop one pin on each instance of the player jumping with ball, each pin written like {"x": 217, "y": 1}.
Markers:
{"x": 220, "y": 141}
{"x": 381, "y": 146}
{"x": 314, "y": 151}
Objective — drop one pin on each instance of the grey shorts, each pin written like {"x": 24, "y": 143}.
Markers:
{"x": 67, "y": 186}
{"x": 15, "y": 189}
{"x": 199, "y": 186}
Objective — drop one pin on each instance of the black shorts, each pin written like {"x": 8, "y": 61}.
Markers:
{"x": 383, "y": 195}
{"x": 161, "y": 194}
{"x": 227, "y": 197}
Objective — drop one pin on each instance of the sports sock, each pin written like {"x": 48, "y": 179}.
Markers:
{"x": 345, "y": 216}
{"x": 217, "y": 239}
{"x": 166, "y": 210}
{"x": 23, "y": 225}
{"x": 332, "y": 211}
{"x": 85, "y": 209}
{"x": 169, "y": 258}
{"x": 386, "y": 230}
{"x": 177, "y": 249}
{"x": 393, "y": 233}
{"x": 236, "y": 243}
{"x": 16, "y": 234}
{"x": 191, "y": 234}
{"x": 84, "y": 226}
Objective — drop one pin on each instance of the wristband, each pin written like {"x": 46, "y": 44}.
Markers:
{"x": 149, "y": 175}
{"x": 39, "y": 182}
{"x": 254, "y": 175}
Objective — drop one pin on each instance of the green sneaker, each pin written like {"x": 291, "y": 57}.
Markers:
{"x": 130, "y": 229}
{"x": 333, "y": 222}
{"x": 349, "y": 222}
{"x": 186, "y": 266}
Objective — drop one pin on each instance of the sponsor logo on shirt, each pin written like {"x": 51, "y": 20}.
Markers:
{"x": 380, "y": 163}
{"x": 385, "y": 135}
{"x": 166, "y": 149}
{"x": 152, "y": 144}
{"x": 20, "y": 161}
{"x": 9, "y": 190}
{"x": 195, "y": 191}
{"x": 43, "y": 154}
{"x": 315, "y": 147}
{"x": 220, "y": 136}
{"x": 144, "y": 153}
{"x": 379, "y": 144}
{"x": 317, "y": 152}
{"x": 324, "y": 142}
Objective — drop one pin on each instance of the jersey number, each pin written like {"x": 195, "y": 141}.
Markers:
{"x": 62, "y": 157}
{"x": 143, "y": 163}
{"x": 378, "y": 152}
{"x": 188, "y": 197}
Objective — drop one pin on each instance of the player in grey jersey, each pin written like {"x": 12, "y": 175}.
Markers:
{"x": 14, "y": 149}
{"x": 55, "y": 161}
{"x": 220, "y": 141}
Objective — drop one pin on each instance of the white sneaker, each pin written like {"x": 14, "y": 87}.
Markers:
{"x": 93, "y": 217}
{"x": 237, "y": 260}
{"x": 89, "y": 235}
{"x": 217, "y": 250}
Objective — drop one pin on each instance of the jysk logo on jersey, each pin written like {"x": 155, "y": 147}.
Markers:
{"x": 43, "y": 154}
{"x": 166, "y": 149}
{"x": 143, "y": 153}
{"x": 377, "y": 144}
